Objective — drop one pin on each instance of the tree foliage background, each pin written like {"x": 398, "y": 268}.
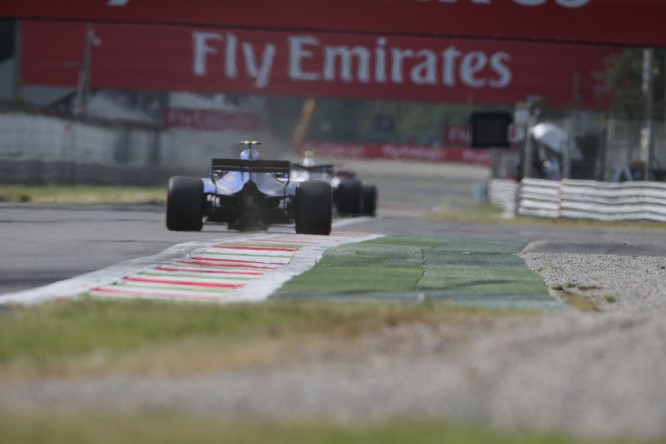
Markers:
{"x": 623, "y": 79}
{"x": 369, "y": 121}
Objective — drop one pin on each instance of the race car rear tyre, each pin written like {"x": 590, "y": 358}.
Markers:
{"x": 313, "y": 210}
{"x": 349, "y": 197}
{"x": 369, "y": 200}
{"x": 185, "y": 203}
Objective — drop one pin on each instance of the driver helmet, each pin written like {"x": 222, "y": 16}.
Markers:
{"x": 308, "y": 159}
{"x": 249, "y": 154}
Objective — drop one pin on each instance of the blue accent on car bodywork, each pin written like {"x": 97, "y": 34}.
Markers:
{"x": 233, "y": 182}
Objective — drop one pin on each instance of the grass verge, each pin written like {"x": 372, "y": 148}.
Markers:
{"x": 92, "y": 336}
{"x": 580, "y": 303}
{"x": 88, "y": 194}
{"x": 166, "y": 428}
{"x": 467, "y": 211}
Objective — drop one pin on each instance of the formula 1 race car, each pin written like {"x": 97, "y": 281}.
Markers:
{"x": 249, "y": 193}
{"x": 350, "y": 196}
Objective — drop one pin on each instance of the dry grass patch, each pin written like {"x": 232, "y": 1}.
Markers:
{"x": 82, "y": 194}
{"x": 468, "y": 211}
{"x": 69, "y": 339}
{"x": 76, "y": 427}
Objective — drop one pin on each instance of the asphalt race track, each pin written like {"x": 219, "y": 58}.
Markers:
{"x": 43, "y": 244}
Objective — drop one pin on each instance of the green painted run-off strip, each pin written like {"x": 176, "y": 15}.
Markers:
{"x": 464, "y": 271}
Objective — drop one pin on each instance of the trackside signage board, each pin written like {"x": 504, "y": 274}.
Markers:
{"x": 638, "y": 22}
{"x": 397, "y": 152}
{"x": 160, "y": 57}
{"x": 212, "y": 120}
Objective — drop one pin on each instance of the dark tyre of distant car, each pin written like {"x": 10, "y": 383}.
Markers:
{"x": 369, "y": 200}
{"x": 184, "y": 206}
{"x": 349, "y": 197}
{"x": 313, "y": 208}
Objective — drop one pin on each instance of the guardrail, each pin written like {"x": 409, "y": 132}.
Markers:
{"x": 503, "y": 193}
{"x": 582, "y": 199}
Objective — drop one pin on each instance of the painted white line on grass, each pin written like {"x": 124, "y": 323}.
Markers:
{"x": 351, "y": 221}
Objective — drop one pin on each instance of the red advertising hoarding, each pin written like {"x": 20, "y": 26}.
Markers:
{"x": 457, "y": 135}
{"x": 634, "y": 22}
{"x": 212, "y": 120}
{"x": 397, "y": 152}
{"x": 166, "y": 58}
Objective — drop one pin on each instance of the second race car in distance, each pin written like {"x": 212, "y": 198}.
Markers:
{"x": 350, "y": 196}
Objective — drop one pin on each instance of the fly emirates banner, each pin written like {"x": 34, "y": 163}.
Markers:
{"x": 165, "y": 58}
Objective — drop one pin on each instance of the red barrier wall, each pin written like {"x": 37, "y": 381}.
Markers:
{"x": 397, "y": 152}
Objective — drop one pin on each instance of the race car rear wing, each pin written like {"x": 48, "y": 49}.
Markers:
{"x": 252, "y": 166}
{"x": 280, "y": 167}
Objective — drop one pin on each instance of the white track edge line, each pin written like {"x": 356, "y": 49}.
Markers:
{"x": 73, "y": 287}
